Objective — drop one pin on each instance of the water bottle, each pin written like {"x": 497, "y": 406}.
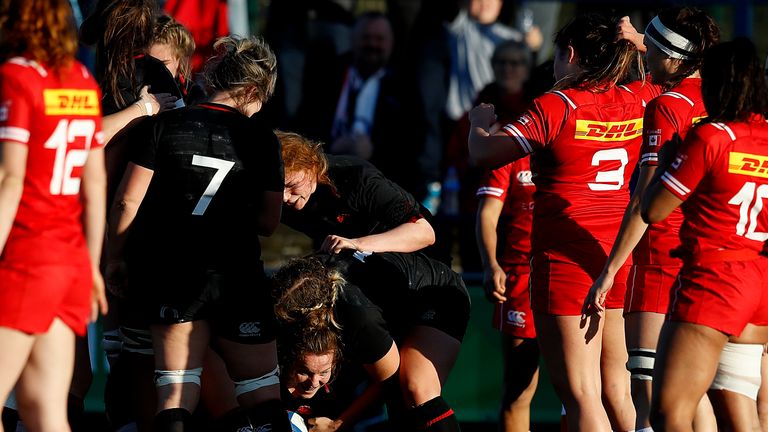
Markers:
{"x": 432, "y": 201}
{"x": 450, "y": 205}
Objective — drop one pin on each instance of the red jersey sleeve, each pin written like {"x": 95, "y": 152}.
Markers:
{"x": 689, "y": 166}
{"x": 15, "y": 107}
{"x": 541, "y": 124}
{"x": 660, "y": 126}
{"x": 495, "y": 183}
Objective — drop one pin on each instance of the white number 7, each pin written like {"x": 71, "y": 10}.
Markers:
{"x": 222, "y": 167}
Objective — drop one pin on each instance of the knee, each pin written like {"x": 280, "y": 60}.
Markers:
{"x": 520, "y": 395}
{"x": 417, "y": 391}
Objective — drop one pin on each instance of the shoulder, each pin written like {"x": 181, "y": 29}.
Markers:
{"x": 22, "y": 69}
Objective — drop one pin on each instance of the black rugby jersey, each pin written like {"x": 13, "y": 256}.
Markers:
{"x": 211, "y": 167}
{"x": 361, "y": 202}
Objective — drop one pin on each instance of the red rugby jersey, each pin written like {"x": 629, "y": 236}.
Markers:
{"x": 721, "y": 171}
{"x": 581, "y": 144}
{"x": 513, "y": 185}
{"x": 58, "y": 117}
{"x": 668, "y": 118}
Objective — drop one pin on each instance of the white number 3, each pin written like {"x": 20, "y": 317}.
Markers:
{"x": 222, "y": 167}
{"x": 609, "y": 180}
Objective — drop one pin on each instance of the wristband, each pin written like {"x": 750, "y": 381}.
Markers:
{"x": 148, "y": 107}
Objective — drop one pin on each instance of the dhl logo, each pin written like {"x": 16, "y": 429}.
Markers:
{"x": 71, "y": 102}
{"x": 748, "y": 164}
{"x": 697, "y": 119}
{"x": 608, "y": 131}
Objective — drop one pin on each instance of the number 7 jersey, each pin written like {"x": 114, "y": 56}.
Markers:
{"x": 56, "y": 114}
{"x": 581, "y": 144}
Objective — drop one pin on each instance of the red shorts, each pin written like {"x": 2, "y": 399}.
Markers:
{"x": 560, "y": 280}
{"x": 514, "y": 317}
{"x": 648, "y": 288}
{"x": 31, "y": 296}
{"x": 725, "y": 296}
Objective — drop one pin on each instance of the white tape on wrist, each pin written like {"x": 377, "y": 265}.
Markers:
{"x": 148, "y": 107}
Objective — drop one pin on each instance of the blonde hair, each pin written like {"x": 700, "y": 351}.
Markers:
{"x": 303, "y": 154}
{"x": 305, "y": 292}
{"x": 43, "y": 29}
{"x": 170, "y": 32}
{"x": 245, "y": 67}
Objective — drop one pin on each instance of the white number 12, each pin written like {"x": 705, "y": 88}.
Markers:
{"x": 222, "y": 167}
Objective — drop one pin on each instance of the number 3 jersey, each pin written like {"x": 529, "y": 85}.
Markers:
{"x": 211, "y": 168}
{"x": 721, "y": 172}
{"x": 581, "y": 144}
{"x": 56, "y": 114}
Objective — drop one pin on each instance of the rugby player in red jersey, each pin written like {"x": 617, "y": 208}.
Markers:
{"x": 52, "y": 204}
{"x": 581, "y": 136}
{"x": 674, "y": 42}
{"x": 719, "y": 178}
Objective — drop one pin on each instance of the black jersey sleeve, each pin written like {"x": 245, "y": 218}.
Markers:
{"x": 142, "y": 141}
{"x": 364, "y": 331}
{"x": 385, "y": 200}
{"x": 270, "y": 158}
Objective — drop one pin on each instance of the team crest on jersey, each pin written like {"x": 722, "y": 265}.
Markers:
{"x": 748, "y": 164}
{"x": 608, "y": 131}
{"x": 71, "y": 102}
{"x": 525, "y": 178}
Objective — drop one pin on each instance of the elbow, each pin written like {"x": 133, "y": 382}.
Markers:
{"x": 426, "y": 234}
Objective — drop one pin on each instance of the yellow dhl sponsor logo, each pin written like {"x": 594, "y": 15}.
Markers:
{"x": 696, "y": 119}
{"x": 748, "y": 164}
{"x": 71, "y": 102}
{"x": 608, "y": 131}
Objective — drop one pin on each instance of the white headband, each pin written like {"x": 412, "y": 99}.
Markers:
{"x": 673, "y": 44}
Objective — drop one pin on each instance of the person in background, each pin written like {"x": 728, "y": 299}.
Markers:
{"x": 223, "y": 183}
{"x": 357, "y": 105}
{"x": 674, "y": 46}
{"x": 173, "y": 44}
{"x": 581, "y": 192}
{"x": 133, "y": 84}
{"x": 722, "y": 284}
{"x": 52, "y": 205}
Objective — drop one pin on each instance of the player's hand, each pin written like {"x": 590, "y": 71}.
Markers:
{"x": 494, "y": 284}
{"x": 482, "y": 116}
{"x": 116, "y": 277}
{"x": 159, "y": 102}
{"x": 595, "y": 301}
{"x": 323, "y": 424}
{"x": 335, "y": 244}
{"x": 534, "y": 38}
{"x": 98, "y": 296}
{"x": 626, "y": 31}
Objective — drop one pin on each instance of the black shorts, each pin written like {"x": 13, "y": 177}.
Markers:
{"x": 235, "y": 301}
{"x": 413, "y": 289}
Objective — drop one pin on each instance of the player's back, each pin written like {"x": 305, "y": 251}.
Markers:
{"x": 581, "y": 177}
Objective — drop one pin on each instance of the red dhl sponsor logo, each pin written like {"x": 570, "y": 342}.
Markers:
{"x": 71, "y": 102}
{"x": 608, "y": 131}
{"x": 748, "y": 164}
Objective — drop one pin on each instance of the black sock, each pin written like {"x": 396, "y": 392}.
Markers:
{"x": 172, "y": 420}
{"x": 233, "y": 421}
{"x": 270, "y": 413}
{"x": 10, "y": 419}
{"x": 434, "y": 415}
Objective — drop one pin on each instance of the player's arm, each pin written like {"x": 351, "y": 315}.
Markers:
{"x": 13, "y": 165}
{"x": 148, "y": 104}
{"x": 269, "y": 218}
{"x": 379, "y": 372}
{"x": 494, "y": 278}
{"x": 486, "y": 149}
{"x": 407, "y": 237}
{"x": 93, "y": 194}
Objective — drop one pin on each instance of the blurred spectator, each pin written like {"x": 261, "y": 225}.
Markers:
{"x": 454, "y": 65}
{"x": 359, "y": 106}
{"x": 511, "y": 63}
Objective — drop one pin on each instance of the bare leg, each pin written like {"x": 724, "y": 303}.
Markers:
{"x": 617, "y": 396}
{"x": 247, "y": 362}
{"x": 426, "y": 358}
{"x": 686, "y": 363}
{"x": 762, "y": 395}
{"x": 179, "y": 347}
{"x": 521, "y": 374}
{"x": 44, "y": 384}
{"x": 571, "y": 349}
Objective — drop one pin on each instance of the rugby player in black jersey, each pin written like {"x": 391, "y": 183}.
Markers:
{"x": 202, "y": 184}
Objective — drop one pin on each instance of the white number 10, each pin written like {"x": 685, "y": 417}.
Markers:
{"x": 222, "y": 167}
{"x": 748, "y": 193}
